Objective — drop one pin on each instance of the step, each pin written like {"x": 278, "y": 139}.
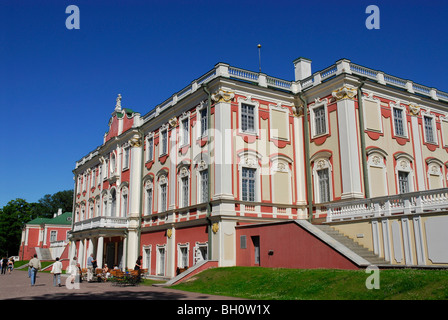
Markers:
{"x": 352, "y": 245}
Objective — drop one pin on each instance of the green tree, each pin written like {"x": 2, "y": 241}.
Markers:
{"x": 50, "y": 204}
{"x": 13, "y": 216}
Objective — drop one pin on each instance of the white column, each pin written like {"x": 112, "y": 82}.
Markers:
{"x": 170, "y": 253}
{"x": 134, "y": 193}
{"x": 299, "y": 163}
{"x": 81, "y": 253}
{"x": 99, "y": 252}
{"x": 223, "y": 151}
{"x": 172, "y": 177}
{"x": 134, "y": 197}
{"x": 348, "y": 144}
{"x": 419, "y": 165}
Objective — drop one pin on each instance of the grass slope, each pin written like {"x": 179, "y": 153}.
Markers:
{"x": 319, "y": 284}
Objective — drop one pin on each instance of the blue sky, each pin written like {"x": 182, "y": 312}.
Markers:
{"x": 58, "y": 86}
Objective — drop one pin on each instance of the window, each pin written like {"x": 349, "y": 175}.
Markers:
{"x": 247, "y": 118}
{"x": 203, "y": 122}
{"x": 204, "y": 185}
{"x": 163, "y": 194}
{"x": 164, "y": 142}
{"x": 324, "y": 185}
{"x": 112, "y": 164}
{"x": 148, "y": 201}
{"x": 183, "y": 256}
{"x": 126, "y": 158}
{"x": 113, "y": 203}
{"x": 185, "y": 131}
{"x": 320, "y": 126}
{"x": 185, "y": 194}
{"x": 53, "y": 235}
{"x": 403, "y": 182}
{"x": 429, "y": 129}
{"x": 399, "y": 122}
{"x": 322, "y": 177}
{"x": 124, "y": 204}
{"x": 248, "y": 184}
{"x": 150, "y": 150}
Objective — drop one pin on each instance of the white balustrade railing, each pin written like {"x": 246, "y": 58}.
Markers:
{"x": 101, "y": 222}
{"x": 341, "y": 66}
{"x": 408, "y": 203}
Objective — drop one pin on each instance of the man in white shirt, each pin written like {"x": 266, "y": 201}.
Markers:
{"x": 35, "y": 266}
{"x": 56, "y": 271}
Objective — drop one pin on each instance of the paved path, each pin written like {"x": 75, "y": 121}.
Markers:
{"x": 17, "y": 286}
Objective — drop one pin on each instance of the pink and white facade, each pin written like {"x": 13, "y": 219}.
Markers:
{"x": 236, "y": 148}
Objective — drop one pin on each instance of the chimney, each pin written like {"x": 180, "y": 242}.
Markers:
{"x": 302, "y": 68}
{"x": 59, "y": 211}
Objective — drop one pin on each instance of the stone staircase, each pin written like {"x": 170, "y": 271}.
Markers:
{"x": 43, "y": 253}
{"x": 352, "y": 245}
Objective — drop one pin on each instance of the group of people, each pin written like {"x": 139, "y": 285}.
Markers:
{"x": 74, "y": 270}
{"x": 7, "y": 264}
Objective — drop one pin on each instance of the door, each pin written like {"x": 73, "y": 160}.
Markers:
{"x": 256, "y": 243}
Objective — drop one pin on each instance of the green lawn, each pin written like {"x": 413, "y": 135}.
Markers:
{"x": 320, "y": 284}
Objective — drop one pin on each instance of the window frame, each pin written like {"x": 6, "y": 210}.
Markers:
{"x": 403, "y": 120}
{"x": 433, "y": 128}
{"x": 313, "y": 126}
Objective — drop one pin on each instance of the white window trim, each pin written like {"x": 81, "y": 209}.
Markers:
{"x": 124, "y": 206}
{"x": 403, "y": 164}
{"x": 149, "y": 137}
{"x": 404, "y": 119}
{"x": 126, "y": 149}
{"x": 149, "y": 186}
{"x": 202, "y": 166}
{"x": 145, "y": 257}
{"x": 163, "y": 180}
{"x": 179, "y": 254}
{"x": 318, "y": 103}
{"x": 433, "y": 125}
{"x": 183, "y": 172}
{"x": 185, "y": 117}
{"x": 202, "y": 106}
{"x": 163, "y": 129}
{"x": 322, "y": 162}
{"x": 248, "y": 101}
{"x": 158, "y": 271}
{"x": 55, "y": 232}
{"x": 249, "y": 159}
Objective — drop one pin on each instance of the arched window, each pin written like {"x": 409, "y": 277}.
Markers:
{"x": 404, "y": 173}
{"x": 113, "y": 203}
{"x": 148, "y": 197}
{"x": 322, "y": 177}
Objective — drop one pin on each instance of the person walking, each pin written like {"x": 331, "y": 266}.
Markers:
{"x": 90, "y": 261}
{"x": 10, "y": 265}
{"x": 4, "y": 265}
{"x": 35, "y": 266}
{"x": 56, "y": 271}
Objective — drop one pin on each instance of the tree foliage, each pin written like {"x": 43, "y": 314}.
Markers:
{"x": 16, "y": 213}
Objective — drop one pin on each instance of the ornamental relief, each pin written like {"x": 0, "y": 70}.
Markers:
{"x": 223, "y": 96}
{"x": 344, "y": 93}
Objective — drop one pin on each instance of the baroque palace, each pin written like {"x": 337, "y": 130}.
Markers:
{"x": 241, "y": 168}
